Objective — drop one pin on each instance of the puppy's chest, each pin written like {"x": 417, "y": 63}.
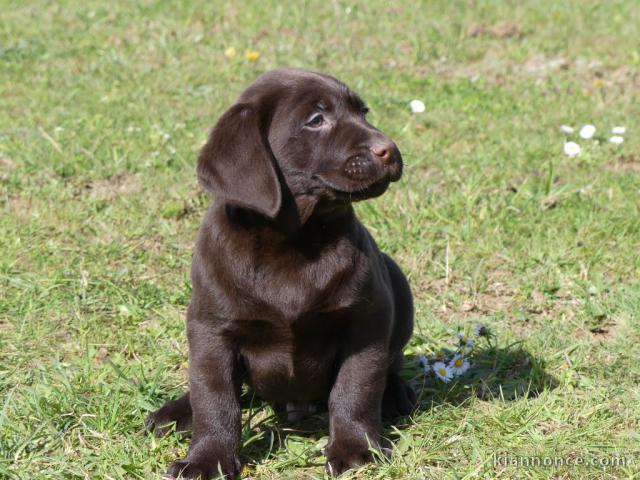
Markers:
{"x": 289, "y": 361}
{"x": 291, "y": 285}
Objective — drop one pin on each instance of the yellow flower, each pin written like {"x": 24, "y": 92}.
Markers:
{"x": 230, "y": 52}
{"x": 252, "y": 55}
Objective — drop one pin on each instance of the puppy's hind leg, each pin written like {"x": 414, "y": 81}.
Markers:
{"x": 160, "y": 421}
{"x": 399, "y": 398}
{"x": 403, "y": 309}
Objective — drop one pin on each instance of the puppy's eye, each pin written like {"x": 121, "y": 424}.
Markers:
{"x": 365, "y": 110}
{"x": 316, "y": 121}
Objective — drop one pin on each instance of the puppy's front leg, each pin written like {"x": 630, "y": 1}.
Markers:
{"x": 354, "y": 407}
{"x": 214, "y": 382}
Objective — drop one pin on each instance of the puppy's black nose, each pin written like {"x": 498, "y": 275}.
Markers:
{"x": 383, "y": 151}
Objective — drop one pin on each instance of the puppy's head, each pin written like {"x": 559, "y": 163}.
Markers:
{"x": 298, "y": 132}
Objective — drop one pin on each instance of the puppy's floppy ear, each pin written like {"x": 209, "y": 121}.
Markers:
{"x": 237, "y": 163}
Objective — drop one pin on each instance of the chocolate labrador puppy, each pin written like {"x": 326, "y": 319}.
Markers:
{"x": 291, "y": 294}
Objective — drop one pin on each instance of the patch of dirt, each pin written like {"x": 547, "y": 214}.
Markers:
{"x": 605, "y": 332}
{"x": 550, "y": 426}
{"x": 539, "y": 65}
{"x": 154, "y": 244}
{"x": 499, "y": 30}
{"x": 627, "y": 163}
{"x": 488, "y": 303}
{"x": 6, "y": 165}
{"x": 123, "y": 183}
{"x": 553, "y": 306}
{"x": 498, "y": 297}
{"x": 102, "y": 354}
{"x": 151, "y": 324}
{"x": 438, "y": 285}
{"x": 20, "y": 206}
{"x": 591, "y": 74}
{"x": 625, "y": 75}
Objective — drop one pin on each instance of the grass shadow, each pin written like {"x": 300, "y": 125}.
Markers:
{"x": 496, "y": 373}
{"x": 304, "y": 440}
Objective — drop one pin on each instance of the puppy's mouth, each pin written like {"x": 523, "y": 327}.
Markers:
{"x": 359, "y": 192}
{"x": 362, "y": 178}
{"x": 364, "y": 192}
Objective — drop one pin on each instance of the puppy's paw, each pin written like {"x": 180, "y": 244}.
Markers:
{"x": 399, "y": 398}
{"x": 176, "y": 412}
{"x": 228, "y": 469}
{"x": 342, "y": 457}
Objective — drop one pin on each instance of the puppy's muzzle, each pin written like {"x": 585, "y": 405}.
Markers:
{"x": 383, "y": 160}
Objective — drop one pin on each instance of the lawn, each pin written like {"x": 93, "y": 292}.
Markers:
{"x": 103, "y": 108}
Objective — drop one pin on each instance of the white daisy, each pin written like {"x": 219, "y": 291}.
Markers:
{"x": 417, "y": 106}
{"x": 571, "y": 149}
{"x": 443, "y": 372}
{"x": 587, "y": 131}
{"x": 616, "y": 139}
{"x": 566, "y": 128}
{"x": 459, "y": 365}
{"x": 618, "y": 130}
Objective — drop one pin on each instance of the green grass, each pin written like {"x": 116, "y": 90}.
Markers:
{"x": 103, "y": 108}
